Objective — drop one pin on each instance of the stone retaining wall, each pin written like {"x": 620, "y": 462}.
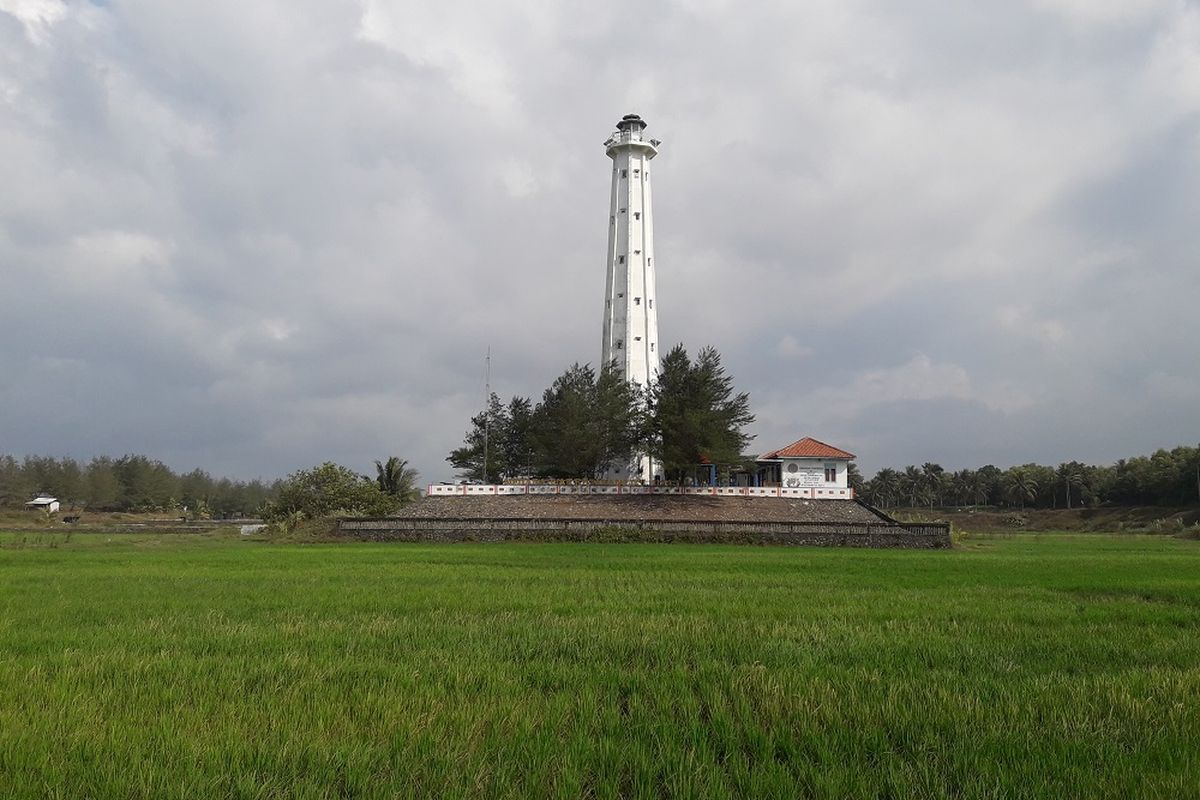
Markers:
{"x": 446, "y": 529}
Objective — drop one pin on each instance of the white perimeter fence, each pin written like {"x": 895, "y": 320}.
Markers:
{"x": 489, "y": 490}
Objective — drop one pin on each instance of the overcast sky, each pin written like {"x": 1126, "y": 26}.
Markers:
{"x": 254, "y": 236}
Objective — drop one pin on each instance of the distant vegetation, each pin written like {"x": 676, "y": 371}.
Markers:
{"x": 333, "y": 489}
{"x": 588, "y": 420}
{"x": 137, "y": 483}
{"x": 129, "y": 483}
{"x": 1168, "y": 477}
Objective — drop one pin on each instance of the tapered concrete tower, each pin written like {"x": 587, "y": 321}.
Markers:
{"x": 630, "y": 315}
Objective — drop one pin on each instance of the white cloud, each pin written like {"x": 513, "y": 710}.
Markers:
{"x": 920, "y": 379}
{"x": 38, "y": 16}
{"x": 790, "y": 347}
{"x": 458, "y": 38}
{"x": 1106, "y": 12}
{"x": 1019, "y": 320}
{"x": 518, "y": 178}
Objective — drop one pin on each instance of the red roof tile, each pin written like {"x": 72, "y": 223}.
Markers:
{"x": 806, "y": 448}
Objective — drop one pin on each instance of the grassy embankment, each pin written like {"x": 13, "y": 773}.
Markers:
{"x": 179, "y": 665}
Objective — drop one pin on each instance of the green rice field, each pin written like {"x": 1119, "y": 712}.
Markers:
{"x": 180, "y": 666}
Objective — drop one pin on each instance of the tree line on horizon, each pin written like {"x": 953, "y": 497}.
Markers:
{"x": 587, "y": 420}
{"x": 1167, "y": 477}
{"x": 138, "y": 483}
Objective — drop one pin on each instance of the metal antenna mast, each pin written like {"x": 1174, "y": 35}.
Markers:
{"x": 487, "y": 407}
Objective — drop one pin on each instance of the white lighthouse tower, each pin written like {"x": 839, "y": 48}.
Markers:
{"x": 630, "y": 316}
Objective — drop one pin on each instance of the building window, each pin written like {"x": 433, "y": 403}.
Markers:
{"x": 637, "y": 338}
{"x": 637, "y": 252}
{"x": 637, "y": 301}
{"x": 620, "y": 259}
{"x": 649, "y": 261}
{"x": 624, "y": 173}
{"x": 620, "y": 294}
{"x": 620, "y": 344}
{"x": 635, "y": 172}
{"x": 830, "y": 474}
{"x": 651, "y": 303}
{"x": 637, "y": 215}
{"x": 622, "y": 211}
{"x": 652, "y": 347}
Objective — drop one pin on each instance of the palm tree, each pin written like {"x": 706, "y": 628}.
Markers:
{"x": 1020, "y": 485}
{"x": 912, "y": 484}
{"x": 979, "y": 488}
{"x": 961, "y": 484}
{"x": 885, "y": 486}
{"x": 395, "y": 478}
{"x": 1070, "y": 474}
{"x": 931, "y": 481}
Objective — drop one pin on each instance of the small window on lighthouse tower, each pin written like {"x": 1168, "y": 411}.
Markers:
{"x": 637, "y": 301}
{"x": 637, "y": 215}
{"x": 622, "y": 211}
{"x": 624, "y": 173}
{"x": 637, "y": 338}
{"x": 620, "y": 344}
{"x": 635, "y": 172}
{"x": 651, "y": 302}
{"x": 620, "y": 259}
{"x": 652, "y": 347}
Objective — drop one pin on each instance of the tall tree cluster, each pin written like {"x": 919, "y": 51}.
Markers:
{"x": 1167, "y": 477}
{"x": 584, "y": 421}
{"x": 695, "y": 415}
{"x": 129, "y": 483}
{"x": 587, "y": 420}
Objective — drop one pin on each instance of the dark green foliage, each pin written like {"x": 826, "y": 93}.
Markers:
{"x": 328, "y": 490}
{"x": 130, "y": 483}
{"x": 395, "y": 478}
{"x": 695, "y": 416}
{"x": 586, "y": 422}
{"x": 146, "y": 485}
{"x": 517, "y": 453}
{"x": 583, "y": 422}
{"x": 1168, "y": 477}
{"x": 487, "y": 431}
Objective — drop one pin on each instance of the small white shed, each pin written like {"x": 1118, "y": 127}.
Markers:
{"x": 44, "y": 502}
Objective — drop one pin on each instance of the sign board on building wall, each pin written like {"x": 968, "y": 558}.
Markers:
{"x": 801, "y": 476}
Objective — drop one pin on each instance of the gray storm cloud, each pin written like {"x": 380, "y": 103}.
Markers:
{"x": 253, "y": 237}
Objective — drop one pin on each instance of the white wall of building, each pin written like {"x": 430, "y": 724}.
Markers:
{"x": 801, "y": 473}
{"x": 829, "y": 492}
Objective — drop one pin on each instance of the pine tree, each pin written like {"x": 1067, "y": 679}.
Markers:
{"x": 695, "y": 416}
{"x": 486, "y": 433}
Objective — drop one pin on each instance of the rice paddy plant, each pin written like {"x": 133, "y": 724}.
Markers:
{"x": 186, "y": 666}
